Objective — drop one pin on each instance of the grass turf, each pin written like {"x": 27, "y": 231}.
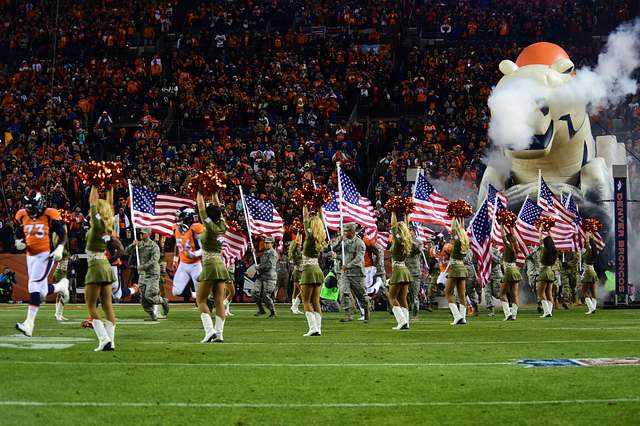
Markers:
{"x": 356, "y": 373}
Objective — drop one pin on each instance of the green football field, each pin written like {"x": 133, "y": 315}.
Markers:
{"x": 356, "y": 373}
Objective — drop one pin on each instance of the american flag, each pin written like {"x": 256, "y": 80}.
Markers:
{"x": 157, "y": 211}
{"x": 496, "y": 229}
{"x": 430, "y": 207}
{"x": 581, "y": 235}
{"x": 355, "y": 208}
{"x": 331, "y": 213}
{"x": 382, "y": 239}
{"x": 564, "y": 231}
{"x": 479, "y": 231}
{"x": 263, "y": 218}
{"x": 234, "y": 246}
{"x": 494, "y": 196}
{"x": 424, "y": 234}
{"x": 526, "y": 232}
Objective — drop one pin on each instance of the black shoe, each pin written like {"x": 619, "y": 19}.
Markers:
{"x": 428, "y": 309}
{"x": 257, "y": 314}
{"x": 564, "y": 305}
{"x": 272, "y": 315}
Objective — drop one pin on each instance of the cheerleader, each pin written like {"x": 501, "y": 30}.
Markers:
{"x": 589, "y": 277}
{"x": 548, "y": 257}
{"x": 295, "y": 257}
{"x": 214, "y": 275}
{"x": 312, "y": 277}
{"x": 511, "y": 277}
{"x": 99, "y": 273}
{"x": 401, "y": 278}
{"x": 457, "y": 272}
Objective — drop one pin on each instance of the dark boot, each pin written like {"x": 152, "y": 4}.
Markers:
{"x": 261, "y": 310}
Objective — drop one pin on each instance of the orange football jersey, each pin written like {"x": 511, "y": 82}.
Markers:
{"x": 37, "y": 232}
{"x": 186, "y": 242}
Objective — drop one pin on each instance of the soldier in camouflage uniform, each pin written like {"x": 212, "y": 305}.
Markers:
{"x": 164, "y": 302}
{"x": 473, "y": 285}
{"x": 570, "y": 277}
{"x": 148, "y": 271}
{"x": 533, "y": 270}
{"x": 492, "y": 289}
{"x": 413, "y": 262}
{"x": 434, "y": 271}
{"x": 352, "y": 272}
{"x": 266, "y": 280}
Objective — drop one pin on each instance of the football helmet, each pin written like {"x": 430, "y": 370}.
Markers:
{"x": 33, "y": 203}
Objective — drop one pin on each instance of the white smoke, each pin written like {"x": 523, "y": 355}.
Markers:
{"x": 514, "y": 108}
{"x": 495, "y": 158}
{"x": 610, "y": 81}
{"x": 514, "y": 104}
{"x": 454, "y": 189}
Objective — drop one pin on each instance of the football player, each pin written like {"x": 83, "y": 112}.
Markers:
{"x": 188, "y": 251}
{"x": 36, "y": 226}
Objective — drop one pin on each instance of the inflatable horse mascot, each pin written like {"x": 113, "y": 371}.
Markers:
{"x": 563, "y": 149}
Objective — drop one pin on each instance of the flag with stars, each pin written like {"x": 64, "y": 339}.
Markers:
{"x": 479, "y": 231}
{"x": 263, "y": 218}
{"x": 355, "y": 208}
{"x": 564, "y": 230}
{"x": 157, "y": 211}
{"x": 526, "y": 232}
{"x": 430, "y": 206}
{"x": 331, "y": 213}
{"x": 494, "y": 196}
{"x": 496, "y": 229}
{"x": 571, "y": 206}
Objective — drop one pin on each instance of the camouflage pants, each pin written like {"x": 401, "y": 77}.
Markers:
{"x": 413, "y": 298}
{"x": 570, "y": 279}
{"x": 149, "y": 292}
{"x": 262, "y": 293}
{"x": 433, "y": 288}
{"x": 473, "y": 290}
{"x": 352, "y": 285}
{"x": 492, "y": 289}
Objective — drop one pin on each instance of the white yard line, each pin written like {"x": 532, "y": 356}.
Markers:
{"x": 82, "y": 404}
{"x": 425, "y": 343}
{"x": 263, "y": 365}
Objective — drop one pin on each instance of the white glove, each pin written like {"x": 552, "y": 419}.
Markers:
{"x": 57, "y": 253}
{"x": 197, "y": 253}
{"x": 20, "y": 245}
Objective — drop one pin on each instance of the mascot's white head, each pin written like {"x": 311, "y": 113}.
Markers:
{"x": 545, "y": 67}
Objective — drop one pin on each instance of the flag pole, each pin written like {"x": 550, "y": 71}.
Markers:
{"x": 133, "y": 221}
{"x": 246, "y": 218}
{"x": 415, "y": 224}
{"x": 340, "y": 209}
{"x": 326, "y": 228}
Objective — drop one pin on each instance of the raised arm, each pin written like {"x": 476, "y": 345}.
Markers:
{"x": 305, "y": 213}
{"x": 110, "y": 197}
{"x": 394, "y": 219}
{"x": 201, "y": 207}
{"x": 93, "y": 196}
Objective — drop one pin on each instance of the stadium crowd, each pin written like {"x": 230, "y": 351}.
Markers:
{"x": 269, "y": 91}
